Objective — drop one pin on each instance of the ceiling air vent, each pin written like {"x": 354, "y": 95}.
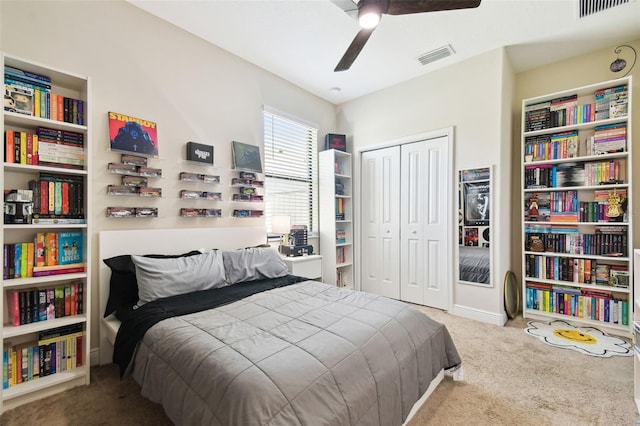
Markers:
{"x": 589, "y": 7}
{"x": 436, "y": 54}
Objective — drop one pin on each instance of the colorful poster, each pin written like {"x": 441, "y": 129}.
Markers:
{"x": 135, "y": 135}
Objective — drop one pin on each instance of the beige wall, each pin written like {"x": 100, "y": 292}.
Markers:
{"x": 470, "y": 97}
{"x": 574, "y": 72}
{"x": 143, "y": 67}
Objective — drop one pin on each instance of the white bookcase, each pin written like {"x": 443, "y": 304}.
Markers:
{"x": 636, "y": 331}
{"x": 17, "y": 176}
{"x": 575, "y": 161}
{"x": 336, "y": 217}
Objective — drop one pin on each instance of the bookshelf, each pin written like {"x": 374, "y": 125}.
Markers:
{"x": 336, "y": 217}
{"x": 57, "y": 124}
{"x": 577, "y": 227}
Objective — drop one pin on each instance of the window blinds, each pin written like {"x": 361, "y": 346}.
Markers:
{"x": 291, "y": 171}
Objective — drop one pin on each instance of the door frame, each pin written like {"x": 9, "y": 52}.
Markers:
{"x": 447, "y": 132}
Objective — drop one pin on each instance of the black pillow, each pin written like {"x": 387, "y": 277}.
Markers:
{"x": 123, "y": 285}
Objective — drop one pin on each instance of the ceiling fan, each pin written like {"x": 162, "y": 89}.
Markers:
{"x": 370, "y": 12}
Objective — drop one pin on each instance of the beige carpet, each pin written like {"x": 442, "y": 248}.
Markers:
{"x": 510, "y": 378}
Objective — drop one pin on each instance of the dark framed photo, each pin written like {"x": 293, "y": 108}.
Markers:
{"x": 246, "y": 157}
{"x": 133, "y": 135}
{"x": 200, "y": 152}
{"x": 335, "y": 141}
{"x": 477, "y": 207}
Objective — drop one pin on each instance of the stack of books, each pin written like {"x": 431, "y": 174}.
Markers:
{"x": 30, "y": 94}
{"x": 50, "y": 253}
{"x": 56, "y": 350}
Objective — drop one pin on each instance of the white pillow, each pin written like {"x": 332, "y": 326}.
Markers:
{"x": 158, "y": 278}
{"x": 253, "y": 264}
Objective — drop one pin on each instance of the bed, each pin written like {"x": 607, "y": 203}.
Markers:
{"x": 274, "y": 350}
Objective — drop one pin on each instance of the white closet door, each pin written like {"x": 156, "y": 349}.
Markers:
{"x": 380, "y": 222}
{"x": 424, "y": 223}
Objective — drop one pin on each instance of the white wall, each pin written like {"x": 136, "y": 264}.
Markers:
{"x": 470, "y": 97}
{"x": 143, "y": 67}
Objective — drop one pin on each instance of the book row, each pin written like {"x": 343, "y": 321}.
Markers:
{"x": 58, "y": 196}
{"x": 339, "y": 168}
{"x": 341, "y": 236}
{"x": 45, "y": 147}
{"x": 552, "y": 146}
{"x": 50, "y": 253}
{"x": 542, "y": 148}
{"x": 563, "y": 111}
{"x": 341, "y": 255}
{"x": 573, "y": 302}
{"x": 341, "y": 278}
{"x": 55, "y": 352}
{"x": 30, "y": 94}
{"x": 564, "y": 206}
{"x": 340, "y": 209}
{"x": 575, "y": 243}
{"x": 588, "y": 174}
{"x": 42, "y": 304}
{"x": 50, "y": 199}
{"x": 580, "y": 271}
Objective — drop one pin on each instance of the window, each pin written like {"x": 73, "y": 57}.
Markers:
{"x": 291, "y": 171}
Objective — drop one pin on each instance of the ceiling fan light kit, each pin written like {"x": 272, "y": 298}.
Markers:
{"x": 370, "y": 12}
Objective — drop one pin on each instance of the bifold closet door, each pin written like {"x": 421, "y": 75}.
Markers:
{"x": 424, "y": 226}
{"x": 380, "y": 222}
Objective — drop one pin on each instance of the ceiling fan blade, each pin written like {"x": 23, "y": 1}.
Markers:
{"x": 348, "y": 6}
{"x": 354, "y": 49}
{"x": 405, "y": 7}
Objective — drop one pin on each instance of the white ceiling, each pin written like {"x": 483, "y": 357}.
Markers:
{"x": 303, "y": 40}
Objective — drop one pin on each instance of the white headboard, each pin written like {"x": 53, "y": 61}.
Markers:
{"x": 162, "y": 241}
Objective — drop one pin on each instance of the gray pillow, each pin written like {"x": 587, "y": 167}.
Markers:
{"x": 158, "y": 278}
{"x": 253, "y": 264}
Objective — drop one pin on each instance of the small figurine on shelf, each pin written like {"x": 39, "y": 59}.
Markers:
{"x": 533, "y": 211}
{"x": 615, "y": 210}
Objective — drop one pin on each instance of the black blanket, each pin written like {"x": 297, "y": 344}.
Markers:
{"x": 136, "y": 323}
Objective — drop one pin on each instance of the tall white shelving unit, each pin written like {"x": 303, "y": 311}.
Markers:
{"x": 17, "y": 176}
{"x": 336, "y": 217}
{"x": 636, "y": 330}
{"x": 566, "y": 194}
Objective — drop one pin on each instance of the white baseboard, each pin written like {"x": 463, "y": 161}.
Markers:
{"x": 94, "y": 357}
{"x": 478, "y": 315}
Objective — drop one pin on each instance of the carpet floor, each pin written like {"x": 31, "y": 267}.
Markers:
{"x": 510, "y": 378}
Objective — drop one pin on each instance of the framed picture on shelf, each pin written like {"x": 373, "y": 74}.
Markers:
{"x": 335, "y": 141}
{"x": 246, "y": 157}
{"x": 200, "y": 153}
{"x": 133, "y": 135}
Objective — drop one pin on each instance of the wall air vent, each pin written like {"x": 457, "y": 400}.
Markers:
{"x": 589, "y": 7}
{"x": 436, "y": 54}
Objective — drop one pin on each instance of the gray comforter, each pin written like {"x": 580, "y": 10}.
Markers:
{"x": 308, "y": 353}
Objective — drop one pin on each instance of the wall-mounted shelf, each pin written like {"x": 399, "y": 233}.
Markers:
{"x": 132, "y": 212}
{"x": 209, "y": 213}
